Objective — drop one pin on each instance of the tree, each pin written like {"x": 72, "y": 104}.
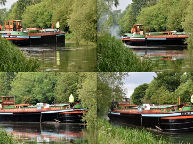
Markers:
{"x": 88, "y": 96}
{"x": 139, "y": 94}
{"x": 33, "y": 87}
{"x": 170, "y": 80}
{"x": 83, "y": 20}
{"x": 109, "y": 89}
{"x": 39, "y": 15}
{"x": 67, "y": 83}
{"x": 2, "y": 2}
{"x": 19, "y": 7}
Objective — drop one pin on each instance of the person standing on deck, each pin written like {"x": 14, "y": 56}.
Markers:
{"x": 58, "y": 26}
{"x": 71, "y": 101}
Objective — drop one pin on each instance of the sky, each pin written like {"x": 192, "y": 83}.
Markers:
{"x": 122, "y": 5}
{"x": 8, "y": 4}
{"x": 135, "y": 79}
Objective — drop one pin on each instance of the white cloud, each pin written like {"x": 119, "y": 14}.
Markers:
{"x": 122, "y": 4}
{"x": 135, "y": 79}
{"x": 8, "y": 4}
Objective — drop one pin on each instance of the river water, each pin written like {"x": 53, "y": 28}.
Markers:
{"x": 70, "y": 58}
{"x": 163, "y": 56}
{"x": 49, "y": 133}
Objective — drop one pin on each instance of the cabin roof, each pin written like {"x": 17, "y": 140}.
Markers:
{"x": 22, "y": 105}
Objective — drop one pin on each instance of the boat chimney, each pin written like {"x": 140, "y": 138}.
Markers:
{"x": 179, "y": 100}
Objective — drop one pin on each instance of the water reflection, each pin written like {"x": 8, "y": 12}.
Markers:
{"x": 53, "y": 132}
{"x": 164, "y": 58}
{"x": 69, "y": 58}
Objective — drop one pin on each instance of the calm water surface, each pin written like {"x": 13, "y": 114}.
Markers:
{"x": 53, "y": 132}
{"x": 162, "y": 56}
{"x": 69, "y": 58}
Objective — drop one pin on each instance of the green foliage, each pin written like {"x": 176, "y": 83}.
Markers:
{"x": 127, "y": 20}
{"x": 12, "y": 59}
{"x": 129, "y": 16}
{"x": 62, "y": 12}
{"x": 109, "y": 88}
{"x": 113, "y": 56}
{"x": 3, "y": 14}
{"x": 167, "y": 87}
{"x": 19, "y": 7}
{"x": 170, "y": 80}
{"x": 33, "y": 87}
{"x": 83, "y": 20}
{"x": 165, "y": 15}
{"x": 5, "y": 138}
{"x": 39, "y": 15}
{"x": 67, "y": 83}
{"x": 88, "y": 96}
{"x": 188, "y": 27}
{"x": 5, "y": 82}
{"x": 109, "y": 134}
{"x": 139, "y": 94}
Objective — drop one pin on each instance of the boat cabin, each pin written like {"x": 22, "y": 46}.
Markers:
{"x": 13, "y": 25}
{"x": 6, "y": 101}
{"x": 137, "y": 29}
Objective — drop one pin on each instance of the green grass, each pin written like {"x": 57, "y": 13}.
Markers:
{"x": 109, "y": 134}
{"x": 5, "y": 138}
{"x": 113, "y": 56}
{"x": 13, "y": 60}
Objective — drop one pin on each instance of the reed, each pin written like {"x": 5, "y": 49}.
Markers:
{"x": 109, "y": 134}
{"x": 5, "y": 138}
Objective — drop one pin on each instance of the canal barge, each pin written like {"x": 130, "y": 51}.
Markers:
{"x": 137, "y": 37}
{"x": 32, "y": 36}
{"x": 61, "y": 113}
{"x": 166, "y": 118}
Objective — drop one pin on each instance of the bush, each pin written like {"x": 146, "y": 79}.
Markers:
{"x": 13, "y": 60}
{"x": 113, "y": 56}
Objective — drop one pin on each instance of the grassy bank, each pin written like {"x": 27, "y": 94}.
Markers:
{"x": 109, "y": 134}
{"x": 113, "y": 56}
{"x": 5, "y": 138}
{"x": 12, "y": 59}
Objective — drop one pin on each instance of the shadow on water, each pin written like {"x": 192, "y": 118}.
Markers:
{"x": 69, "y": 58}
{"x": 180, "y": 138}
{"x": 52, "y": 132}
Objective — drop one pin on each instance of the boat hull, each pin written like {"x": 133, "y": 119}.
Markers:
{"x": 154, "y": 42}
{"x": 41, "y": 117}
{"x": 39, "y": 39}
{"x": 173, "y": 124}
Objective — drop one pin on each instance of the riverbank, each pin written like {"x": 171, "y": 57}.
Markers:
{"x": 12, "y": 59}
{"x": 109, "y": 134}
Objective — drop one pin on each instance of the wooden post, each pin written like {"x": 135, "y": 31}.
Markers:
{"x": 41, "y": 118}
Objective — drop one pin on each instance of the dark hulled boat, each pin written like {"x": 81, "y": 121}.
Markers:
{"x": 33, "y": 36}
{"x": 39, "y": 113}
{"x": 137, "y": 37}
{"x": 167, "y": 118}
